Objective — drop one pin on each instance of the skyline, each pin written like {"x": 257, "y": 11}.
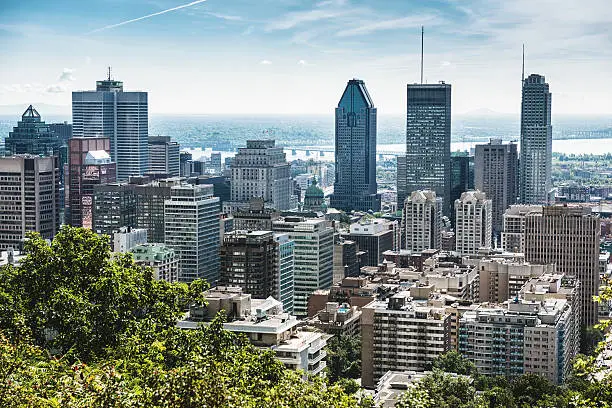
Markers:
{"x": 209, "y": 57}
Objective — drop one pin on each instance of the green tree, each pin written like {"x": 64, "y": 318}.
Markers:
{"x": 454, "y": 362}
{"x": 440, "y": 390}
{"x": 343, "y": 357}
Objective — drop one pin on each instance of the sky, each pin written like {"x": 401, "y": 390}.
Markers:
{"x": 295, "y": 56}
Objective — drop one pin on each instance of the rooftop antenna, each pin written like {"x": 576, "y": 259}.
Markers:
{"x": 422, "y": 34}
{"x": 523, "y": 73}
{"x": 109, "y": 73}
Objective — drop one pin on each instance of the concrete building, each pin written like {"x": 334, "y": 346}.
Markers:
{"x": 473, "y": 222}
{"x": 126, "y": 238}
{"x": 346, "y": 262}
{"x": 496, "y": 175}
{"x": 401, "y": 334}
{"x": 537, "y": 336}
{"x": 373, "y": 237}
{"x": 513, "y": 234}
{"x": 536, "y": 141}
{"x": 568, "y": 237}
{"x": 260, "y": 170}
{"x": 256, "y": 217}
{"x": 502, "y": 279}
{"x": 313, "y": 257}
{"x": 160, "y": 258}
{"x": 89, "y": 165}
{"x": 122, "y": 117}
{"x": 139, "y": 204}
{"x": 338, "y": 319}
{"x": 427, "y": 164}
{"x": 29, "y": 198}
{"x": 164, "y": 156}
{"x": 356, "y": 291}
{"x": 191, "y": 218}
{"x": 248, "y": 261}
{"x": 355, "y": 185}
{"x": 285, "y": 260}
{"x": 422, "y": 219}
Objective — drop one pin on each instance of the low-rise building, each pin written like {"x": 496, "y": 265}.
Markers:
{"x": 160, "y": 258}
{"x": 126, "y": 238}
{"x": 338, "y": 319}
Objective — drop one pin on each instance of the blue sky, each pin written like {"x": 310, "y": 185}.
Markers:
{"x": 295, "y": 56}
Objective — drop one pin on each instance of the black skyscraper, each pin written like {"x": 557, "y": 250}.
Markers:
{"x": 355, "y": 183}
{"x": 426, "y": 165}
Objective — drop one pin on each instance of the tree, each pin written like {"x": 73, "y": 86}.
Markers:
{"x": 440, "y": 390}
{"x": 454, "y": 362}
{"x": 343, "y": 357}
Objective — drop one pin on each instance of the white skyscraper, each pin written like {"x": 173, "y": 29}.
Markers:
{"x": 122, "y": 117}
{"x": 422, "y": 220}
{"x": 191, "y": 220}
{"x": 473, "y": 222}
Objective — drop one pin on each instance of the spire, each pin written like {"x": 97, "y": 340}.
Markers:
{"x": 109, "y": 73}
{"x": 422, "y": 35}
{"x": 523, "y": 71}
{"x": 30, "y": 113}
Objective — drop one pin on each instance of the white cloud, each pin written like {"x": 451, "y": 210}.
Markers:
{"x": 265, "y": 62}
{"x": 392, "y": 24}
{"x": 67, "y": 75}
{"x": 292, "y": 20}
{"x": 56, "y": 88}
{"x": 224, "y": 16}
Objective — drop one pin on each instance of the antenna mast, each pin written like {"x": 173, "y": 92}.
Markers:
{"x": 523, "y": 73}
{"x": 422, "y": 34}
{"x": 109, "y": 73}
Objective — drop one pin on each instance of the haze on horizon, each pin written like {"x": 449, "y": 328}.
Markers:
{"x": 295, "y": 56}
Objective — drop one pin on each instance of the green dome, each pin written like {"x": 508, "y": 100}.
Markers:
{"x": 313, "y": 191}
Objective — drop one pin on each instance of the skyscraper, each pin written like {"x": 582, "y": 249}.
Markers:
{"x": 122, "y": 117}
{"x": 422, "y": 221}
{"x": 427, "y": 164}
{"x": 260, "y": 170}
{"x": 164, "y": 156}
{"x": 29, "y": 198}
{"x": 355, "y": 182}
{"x": 473, "y": 222}
{"x": 496, "y": 175}
{"x": 462, "y": 176}
{"x": 32, "y": 136}
{"x": 191, "y": 218}
{"x": 536, "y": 141}
{"x": 90, "y": 165}
{"x": 568, "y": 237}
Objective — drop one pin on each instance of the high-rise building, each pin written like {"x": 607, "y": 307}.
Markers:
{"x": 122, "y": 117}
{"x": 496, "y": 175}
{"x": 513, "y": 231}
{"x": 248, "y": 260}
{"x": 568, "y": 237}
{"x": 191, "y": 218}
{"x": 536, "y": 141}
{"x": 285, "y": 248}
{"x": 373, "y": 237}
{"x": 462, "y": 176}
{"x": 355, "y": 184}
{"x": 346, "y": 262}
{"x": 126, "y": 238}
{"x": 260, "y": 170}
{"x": 186, "y": 164}
{"x": 164, "y": 156}
{"x": 313, "y": 257}
{"x": 422, "y": 221}
{"x": 400, "y": 335}
{"x": 32, "y": 136}
{"x": 63, "y": 130}
{"x": 427, "y": 164}
{"x": 473, "y": 222}
{"x": 255, "y": 217}
{"x": 89, "y": 165}
{"x": 29, "y": 198}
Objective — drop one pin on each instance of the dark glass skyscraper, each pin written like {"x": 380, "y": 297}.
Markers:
{"x": 32, "y": 136}
{"x": 427, "y": 164}
{"x": 536, "y": 141}
{"x": 462, "y": 176}
{"x": 355, "y": 184}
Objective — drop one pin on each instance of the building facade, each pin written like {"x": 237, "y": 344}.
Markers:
{"x": 260, "y": 170}
{"x": 122, "y": 117}
{"x": 29, "y": 198}
{"x": 313, "y": 257}
{"x": 126, "y": 238}
{"x": 568, "y": 237}
{"x": 496, "y": 175}
{"x": 473, "y": 222}
{"x": 160, "y": 258}
{"x": 462, "y": 176}
{"x": 89, "y": 164}
{"x": 513, "y": 233}
{"x": 191, "y": 218}
{"x": 373, "y": 237}
{"x": 536, "y": 141}
{"x": 285, "y": 259}
{"x": 164, "y": 156}
{"x": 427, "y": 164}
{"x": 422, "y": 219}
{"x": 32, "y": 136}
{"x": 355, "y": 185}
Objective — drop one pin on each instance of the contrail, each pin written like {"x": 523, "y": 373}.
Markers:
{"x": 193, "y": 3}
